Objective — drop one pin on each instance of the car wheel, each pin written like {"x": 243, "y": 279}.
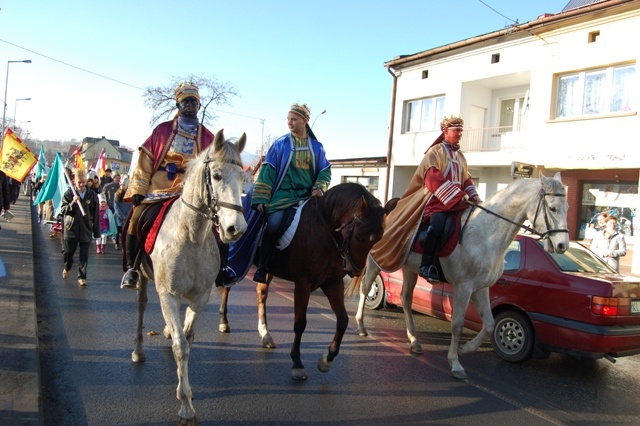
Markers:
{"x": 375, "y": 298}
{"x": 513, "y": 337}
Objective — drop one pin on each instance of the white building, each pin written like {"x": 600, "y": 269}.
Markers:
{"x": 560, "y": 93}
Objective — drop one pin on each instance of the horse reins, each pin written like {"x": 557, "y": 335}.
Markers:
{"x": 213, "y": 203}
{"x": 343, "y": 248}
{"x": 542, "y": 205}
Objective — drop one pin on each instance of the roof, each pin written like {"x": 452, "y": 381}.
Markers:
{"x": 574, "y": 4}
{"x": 575, "y": 8}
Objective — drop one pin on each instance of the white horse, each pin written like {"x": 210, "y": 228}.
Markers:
{"x": 185, "y": 259}
{"x": 477, "y": 261}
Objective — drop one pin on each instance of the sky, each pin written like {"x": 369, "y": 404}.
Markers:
{"x": 92, "y": 60}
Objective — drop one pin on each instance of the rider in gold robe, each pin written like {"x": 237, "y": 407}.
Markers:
{"x": 159, "y": 173}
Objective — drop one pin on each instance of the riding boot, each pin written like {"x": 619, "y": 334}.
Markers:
{"x": 130, "y": 278}
{"x": 267, "y": 246}
{"x": 225, "y": 275}
{"x": 428, "y": 269}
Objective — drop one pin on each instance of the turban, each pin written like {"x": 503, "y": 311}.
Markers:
{"x": 185, "y": 90}
{"x": 451, "y": 121}
{"x": 302, "y": 110}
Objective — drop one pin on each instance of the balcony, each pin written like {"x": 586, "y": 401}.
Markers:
{"x": 493, "y": 139}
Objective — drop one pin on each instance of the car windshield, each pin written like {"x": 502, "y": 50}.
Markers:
{"x": 580, "y": 259}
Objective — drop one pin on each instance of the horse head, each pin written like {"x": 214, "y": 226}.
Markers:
{"x": 358, "y": 220}
{"x": 223, "y": 179}
{"x": 550, "y": 217}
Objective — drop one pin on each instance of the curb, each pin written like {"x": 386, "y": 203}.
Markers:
{"x": 20, "y": 396}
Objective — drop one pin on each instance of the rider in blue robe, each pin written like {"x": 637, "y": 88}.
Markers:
{"x": 281, "y": 157}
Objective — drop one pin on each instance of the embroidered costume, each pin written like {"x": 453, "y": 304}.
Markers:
{"x": 440, "y": 183}
{"x": 288, "y": 173}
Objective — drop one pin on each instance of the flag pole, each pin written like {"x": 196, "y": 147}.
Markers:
{"x": 74, "y": 191}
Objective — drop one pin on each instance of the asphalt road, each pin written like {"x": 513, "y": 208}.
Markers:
{"x": 86, "y": 339}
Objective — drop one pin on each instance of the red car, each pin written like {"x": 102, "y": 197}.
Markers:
{"x": 571, "y": 303}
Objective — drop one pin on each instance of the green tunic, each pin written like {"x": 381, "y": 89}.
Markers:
{"x": 296, "y": 185}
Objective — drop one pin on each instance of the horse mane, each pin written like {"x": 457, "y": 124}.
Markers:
{"x": 347, "y": 198}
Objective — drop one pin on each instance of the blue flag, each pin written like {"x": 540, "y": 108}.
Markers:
{"x": 54, "y": 187}
{"x": 42, "y": 164}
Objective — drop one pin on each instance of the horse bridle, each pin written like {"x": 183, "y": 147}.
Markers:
{"x": 343, "y": 249}
{"x": 213, "y": 203}
{"x": 542, "y": 206}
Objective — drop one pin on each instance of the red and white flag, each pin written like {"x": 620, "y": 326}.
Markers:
{"x": 101, "y": 164}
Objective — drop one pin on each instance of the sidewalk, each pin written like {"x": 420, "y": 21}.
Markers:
{"x": 19, "y": 361}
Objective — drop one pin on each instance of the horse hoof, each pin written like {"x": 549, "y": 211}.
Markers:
{"x": 224, "y": 328}
{"x": 135, "y": 357}
{"x": 324, "y": 365}
{"x": 268, "y": 343}
{"x": 459, "y": 374}
{"x": 188, "y": 422}
{"x": 362, "y": 332}
{"x": 416, "y": 349}
{"x": 298, "y": 374}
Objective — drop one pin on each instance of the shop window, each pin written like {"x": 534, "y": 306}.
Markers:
{"x": 618, "y": 199}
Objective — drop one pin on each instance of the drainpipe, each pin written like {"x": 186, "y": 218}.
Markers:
{"x": 391, "y": 123}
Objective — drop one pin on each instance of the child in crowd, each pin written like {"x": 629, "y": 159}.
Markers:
{"x": 107, "y": 224}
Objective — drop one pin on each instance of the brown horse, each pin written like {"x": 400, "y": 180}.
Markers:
{"x": 334, "y": 236}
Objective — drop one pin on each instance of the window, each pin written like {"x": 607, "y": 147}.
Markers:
{"x": 599, "y": 91}
{"x": 424, "y": 114}
{"x": 618, "y": 199}
{"x": 369, "y": 182}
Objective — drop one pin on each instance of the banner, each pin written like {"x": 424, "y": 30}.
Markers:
{"x": 54, "y": 187}
{"x": 77, "y": 155}
{"x": 42, "y": 164}
{"x": 101, "y": 164}
{"x": 16, "y": 160}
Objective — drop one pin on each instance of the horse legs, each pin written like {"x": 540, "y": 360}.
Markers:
{"x": 335, "y": 295}
{"x": 171, "y": 312}
{"x": 461, "y": 295}
{"x": 138, "y": 351}
{"x": 370, "y": 274}
{"x": 482, "y": 303}
{"x": 406, "y": 295}
{"x": 301, "y": 294}
{"x": 223, "y": 325}
{"x": 262, "y": 291}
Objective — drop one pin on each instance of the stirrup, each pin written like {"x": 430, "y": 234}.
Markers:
{"x": 130, "y": 279}
{"x": 430, "y": 273}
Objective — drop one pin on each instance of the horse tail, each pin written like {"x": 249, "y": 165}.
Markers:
{"x": 353, "y": 288}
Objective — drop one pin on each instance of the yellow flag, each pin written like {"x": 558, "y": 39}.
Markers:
{"x": 79, "y": 162}
{"x": 16, "y": 159}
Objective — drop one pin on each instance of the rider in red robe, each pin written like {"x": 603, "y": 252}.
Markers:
{"x": 439, "y": 189}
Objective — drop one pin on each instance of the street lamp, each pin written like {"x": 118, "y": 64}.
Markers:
{"x": 314, "y": 121}
{"x": 15, "y": 108}
{"x": 6, "y": 85}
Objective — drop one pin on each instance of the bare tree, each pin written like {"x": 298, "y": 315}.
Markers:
{"x": 261, "y": 151}
{"x": 162, "y": 102}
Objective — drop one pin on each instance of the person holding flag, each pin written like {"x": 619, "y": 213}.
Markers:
{"x": 80, "y": 211}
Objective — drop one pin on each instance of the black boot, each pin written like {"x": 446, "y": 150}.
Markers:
{"x": 267, "y": 246}
{"x": 225, "y": 275}
{"x": 130, "y": 279}
{"x": 428, "y": 269}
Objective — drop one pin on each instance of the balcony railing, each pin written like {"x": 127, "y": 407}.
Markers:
{"x": 504, "y": 138}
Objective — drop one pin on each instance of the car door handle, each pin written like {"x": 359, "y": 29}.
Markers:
{"x": 502, "y": 281}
